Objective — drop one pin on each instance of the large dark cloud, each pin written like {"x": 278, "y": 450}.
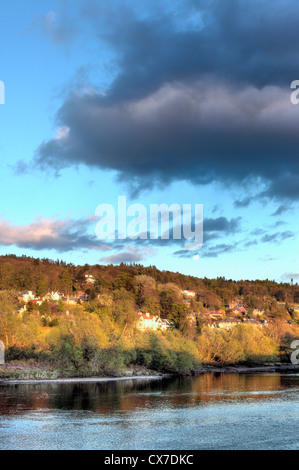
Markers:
{"x": 241, "y": 41}
{"x": 200, "y": 96}
{"x": 195, "y": 132}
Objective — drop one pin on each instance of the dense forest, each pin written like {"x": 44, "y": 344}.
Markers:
{"x": 99, "y": 335}
{"x": 44, "y": 275}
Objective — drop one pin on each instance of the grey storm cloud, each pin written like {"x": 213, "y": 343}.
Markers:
{"x": 183, "y": 132}
{"x": 200, "y": 96}
{"x": 242, "y": 41}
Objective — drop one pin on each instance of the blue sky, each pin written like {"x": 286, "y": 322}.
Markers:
{"x": 164, "y": 102}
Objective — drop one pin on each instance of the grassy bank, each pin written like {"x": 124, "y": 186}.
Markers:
{"x": 28, "y": 371}
{"x": 25, "y": 373}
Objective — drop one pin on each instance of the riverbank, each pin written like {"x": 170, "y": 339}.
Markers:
{"x": 22, "y": 372}
{"x": 250, "y": 369}
{"x": 150, "y": 375}
{"x": 82, "y": 380}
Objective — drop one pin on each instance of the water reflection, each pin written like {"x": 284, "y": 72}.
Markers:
{"x": 108, "y": 397}
{"x": 210, "y": 411}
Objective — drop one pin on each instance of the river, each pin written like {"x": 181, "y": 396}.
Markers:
{"x": 209, "y": 411}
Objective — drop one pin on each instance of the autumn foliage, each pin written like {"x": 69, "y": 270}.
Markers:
{"x": 100, "y": 336}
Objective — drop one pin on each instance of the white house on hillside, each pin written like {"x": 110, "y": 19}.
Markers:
{"x": 89, "y": 278}
{"x": 188, "y": 293}
{"x": 152, "y": 322}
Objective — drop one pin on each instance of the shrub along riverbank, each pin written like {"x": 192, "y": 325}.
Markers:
{"x": 65, "y": 355}
{"x": 100, "y": 337}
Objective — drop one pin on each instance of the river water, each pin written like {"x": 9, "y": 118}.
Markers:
{"x": 210, "y": 411}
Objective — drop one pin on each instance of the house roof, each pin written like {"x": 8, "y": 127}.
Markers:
{"x": 146, "y": 316}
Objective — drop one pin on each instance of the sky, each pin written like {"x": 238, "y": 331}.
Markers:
{"x": 173, "y": 102}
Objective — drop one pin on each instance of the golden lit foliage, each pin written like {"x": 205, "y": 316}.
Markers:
{"x": 241, "y": 344}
